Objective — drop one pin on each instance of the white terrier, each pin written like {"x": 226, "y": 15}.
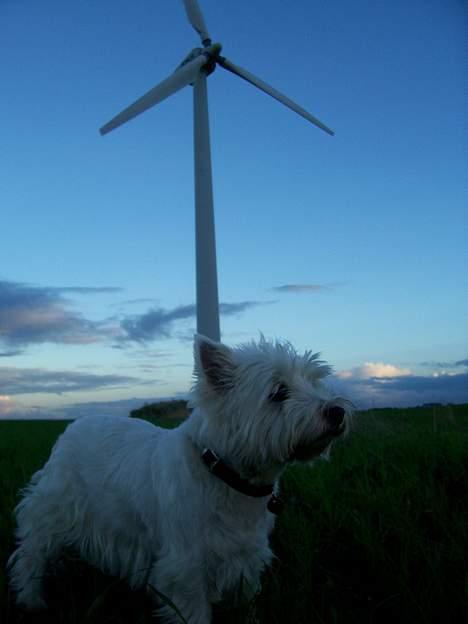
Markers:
{"x": 189, "y": 510}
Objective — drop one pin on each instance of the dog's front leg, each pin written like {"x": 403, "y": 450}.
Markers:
{"x": 183, "y": 590}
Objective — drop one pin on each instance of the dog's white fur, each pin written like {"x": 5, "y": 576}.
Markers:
{"x": 136, "y": 500}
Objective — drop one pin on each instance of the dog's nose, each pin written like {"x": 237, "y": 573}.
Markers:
{"x": 334, "y": 416}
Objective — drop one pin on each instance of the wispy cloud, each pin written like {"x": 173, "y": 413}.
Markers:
{"x": 34, "y": 314}
{"x": 121, "y": 407}
{"x": 155, "y": 323}
{"x": 232, "y": 309}
{"x": 159, "y": 322}
{"x": 445, "y": 365}
{"x": 15, "y": 381}
{"x": 12, "y": 409}
{"x": 135, "y": 301}
{"x": 11, "y": 353}
{"x": 85, "y": 290}
{"x": 302, "y": 288}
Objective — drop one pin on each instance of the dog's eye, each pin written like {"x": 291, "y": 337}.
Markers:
{"x": 280, "y": 393}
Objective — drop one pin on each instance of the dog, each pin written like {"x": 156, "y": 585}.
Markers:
{"x": 187, "y": 511}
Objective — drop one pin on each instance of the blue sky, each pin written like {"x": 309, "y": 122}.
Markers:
{"x": 353, "y": 245}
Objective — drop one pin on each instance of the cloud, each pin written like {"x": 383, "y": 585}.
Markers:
{"x": 377, "y": 370}
{"x": 155, "y": 323}
{"x": 6, "y": 405}
{"x": 34, "y": 315}
{"x": 85, "y": 290}
{"x": 301, "y": 288}
{"x": 159, "y": 322}
{"x": 387, "y": 385}
{"x": 456, "y": 364}
{"x": 15, "y": 381}
{"x": 121, "y": 407}
{"x": 433, "y": 383}
{"x": 135, "y": 301}
{"x": 231, "y": 309}
{"x": 13, "y": 409}
{"x": 11, "y": 353}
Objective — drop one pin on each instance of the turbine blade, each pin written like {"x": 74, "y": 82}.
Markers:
{"x": 195, "y": 17}
{"x": 178, "y": 80}
{"x": 246, "y": 75}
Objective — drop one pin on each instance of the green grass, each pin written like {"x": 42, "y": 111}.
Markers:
{"x": 378, "y": 534}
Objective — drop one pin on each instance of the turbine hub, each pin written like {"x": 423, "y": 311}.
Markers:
{"x": 211, "y": 53}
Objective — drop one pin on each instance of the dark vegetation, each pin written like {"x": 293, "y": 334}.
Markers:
{"x": 173, "y": 411}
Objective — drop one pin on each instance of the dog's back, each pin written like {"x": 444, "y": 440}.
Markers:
{"x": 95, "y": 484}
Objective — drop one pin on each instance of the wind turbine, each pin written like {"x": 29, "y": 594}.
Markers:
{"x": 194, "y": 70}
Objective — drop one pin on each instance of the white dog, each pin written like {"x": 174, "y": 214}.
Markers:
{"x": 187, "y": 511}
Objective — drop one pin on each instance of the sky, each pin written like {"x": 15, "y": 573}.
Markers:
{"x": 352, "y": 245}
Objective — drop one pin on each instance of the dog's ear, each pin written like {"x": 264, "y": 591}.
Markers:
{"x": 213, "y": 362}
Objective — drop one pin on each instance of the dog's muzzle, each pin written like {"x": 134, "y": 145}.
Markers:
{"x": 334, "y": 420}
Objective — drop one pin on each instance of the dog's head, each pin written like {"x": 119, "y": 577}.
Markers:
{"x": 265, "y": 404}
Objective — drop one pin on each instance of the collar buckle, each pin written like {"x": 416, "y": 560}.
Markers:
{"x": 210, "y": 459}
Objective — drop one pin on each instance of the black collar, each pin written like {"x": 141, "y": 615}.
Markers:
{"x": 224, "y": 472}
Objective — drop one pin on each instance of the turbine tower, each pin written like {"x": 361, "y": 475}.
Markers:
{"x": 194, "y": 70}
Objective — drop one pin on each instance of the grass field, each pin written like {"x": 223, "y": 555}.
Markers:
{"x": 378, "y": 534}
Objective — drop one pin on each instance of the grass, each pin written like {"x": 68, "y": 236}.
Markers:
{"x": 378, "y": 534}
